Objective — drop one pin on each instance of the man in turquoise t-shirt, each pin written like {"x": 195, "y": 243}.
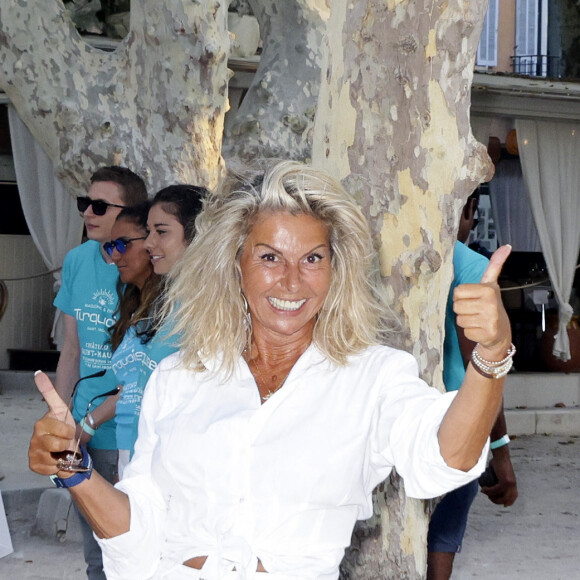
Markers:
{"x": 88, "y": 299}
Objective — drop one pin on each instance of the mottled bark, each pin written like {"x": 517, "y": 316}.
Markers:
{"x": 276, "y": 116}
{"x": 393, "y": 124}
{"x": 156, "y": 104}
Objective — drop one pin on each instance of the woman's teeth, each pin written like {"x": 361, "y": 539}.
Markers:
{"x": 286, "y": 304}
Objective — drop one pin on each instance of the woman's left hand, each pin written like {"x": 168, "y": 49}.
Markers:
{"x": 480, "y": 312}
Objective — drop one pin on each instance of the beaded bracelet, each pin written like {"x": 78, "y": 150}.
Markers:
{"x": 493, "y": 369}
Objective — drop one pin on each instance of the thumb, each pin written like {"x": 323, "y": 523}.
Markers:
{"x": 58, "y": 407}
{"x": 496, "y": 263}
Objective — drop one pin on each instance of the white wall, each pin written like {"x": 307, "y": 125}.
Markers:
{"x": 28, "y": 319}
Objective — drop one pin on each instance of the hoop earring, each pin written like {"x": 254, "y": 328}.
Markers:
{"x": 247, "y": 317}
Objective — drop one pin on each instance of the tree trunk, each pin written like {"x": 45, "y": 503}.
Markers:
{"x": 276, "y": 117}
{"x": 155, "y": 105}
{"x": 393, "y": 123}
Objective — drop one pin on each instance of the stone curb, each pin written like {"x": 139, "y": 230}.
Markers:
{"x": 558, "y": 421}
{"x": 51, "y": 510}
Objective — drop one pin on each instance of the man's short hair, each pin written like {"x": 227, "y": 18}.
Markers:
{"x": 133, "y": 187}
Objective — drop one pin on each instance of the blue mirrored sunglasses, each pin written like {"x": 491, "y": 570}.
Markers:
{"x": 120, "y": 244}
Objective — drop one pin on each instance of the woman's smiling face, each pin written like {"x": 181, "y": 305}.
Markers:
{"x": 286, "y": 272}
{"x": 134, "y": 265}
{"x": 166, "y": 239}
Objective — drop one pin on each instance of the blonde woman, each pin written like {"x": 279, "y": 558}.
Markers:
{"x": 261, "y": 441}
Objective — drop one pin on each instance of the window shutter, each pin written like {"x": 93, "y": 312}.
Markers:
{"x": 527, "y": 28}
{"x": 487, "y": 50}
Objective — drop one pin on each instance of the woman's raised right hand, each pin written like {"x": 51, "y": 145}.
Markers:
{"x": 53, "y": 433}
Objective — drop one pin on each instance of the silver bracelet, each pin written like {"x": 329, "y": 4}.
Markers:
{"x": 493, "y": 369}
{"x": 510, "y": 353}
{"x": 91, "y": 420}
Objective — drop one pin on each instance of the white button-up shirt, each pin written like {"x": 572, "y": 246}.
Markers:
{"x": 216, "y": 473}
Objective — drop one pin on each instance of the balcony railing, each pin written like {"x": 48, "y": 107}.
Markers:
{"x": 537, "y": 65}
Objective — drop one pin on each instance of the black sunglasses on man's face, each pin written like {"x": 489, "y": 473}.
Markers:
{"x": 99, "y": 206}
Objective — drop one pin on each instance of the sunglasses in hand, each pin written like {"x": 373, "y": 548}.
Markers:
{"x": 120, "y": 244}
{"x": 99, "y": 206}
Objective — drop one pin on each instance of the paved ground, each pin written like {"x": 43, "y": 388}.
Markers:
{"x": 536, "y": 539}
{"x": 35, "y": 557}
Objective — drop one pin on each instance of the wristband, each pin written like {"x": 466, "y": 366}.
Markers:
{"x": 500, "y": 442}
{"x": 79, "y": 476}
{"x": 87, "y": 428}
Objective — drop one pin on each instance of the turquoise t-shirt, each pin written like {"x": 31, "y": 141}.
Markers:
{"x": 468, "y": 268}
{"x": 133, "y": 362}
{"x": 89, "y": 294}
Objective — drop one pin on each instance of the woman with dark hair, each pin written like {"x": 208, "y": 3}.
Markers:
{"x": 137, "y": 284}
{"x": 261, "y": 441}
{"x": 166, "y": 229}
{"x": 138, "y": 289}
{"x": 171, "y": 224}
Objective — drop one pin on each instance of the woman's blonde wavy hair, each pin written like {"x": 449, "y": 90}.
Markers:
{"x": 204, "y": 301}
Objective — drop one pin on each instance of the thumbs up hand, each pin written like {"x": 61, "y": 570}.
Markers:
{"x": 53, "y": 433}
{"x": 480, "y": 312}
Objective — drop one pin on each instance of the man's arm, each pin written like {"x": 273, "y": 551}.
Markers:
{"x": 506, "y": 490}
{"x": 67, "y": 374}
{"x": 103, "y": 413}
{"x": 67, "y": 370}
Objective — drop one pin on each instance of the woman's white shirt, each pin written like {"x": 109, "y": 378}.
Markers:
{"x": 216, "y": 473}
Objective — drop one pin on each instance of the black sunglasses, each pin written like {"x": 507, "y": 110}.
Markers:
{"x": 99, "y": 206}
{"x": 120, "y": 244}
